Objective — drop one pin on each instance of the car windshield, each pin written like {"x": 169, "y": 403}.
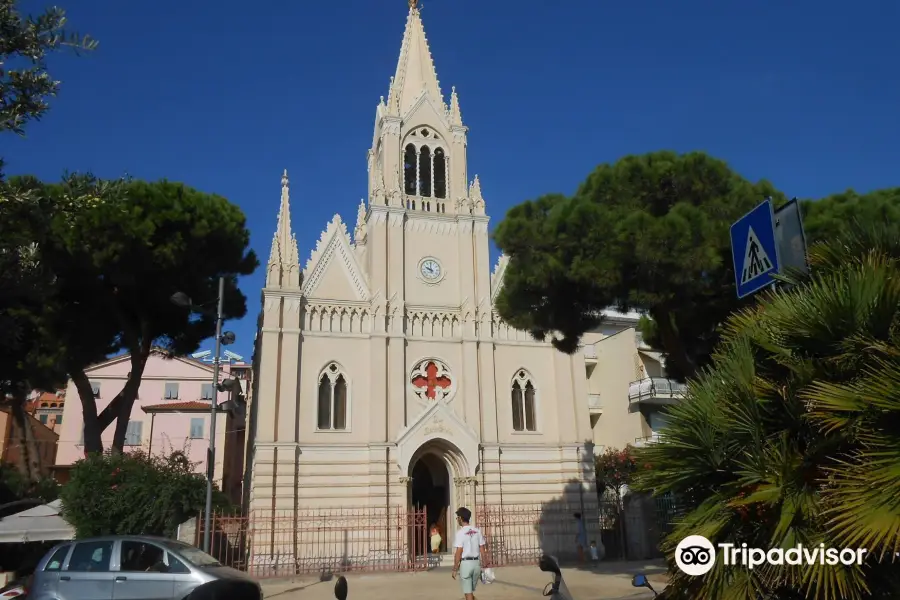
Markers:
{"x": 195, "y": 556}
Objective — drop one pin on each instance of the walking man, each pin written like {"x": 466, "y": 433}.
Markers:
{"x": 468, "y": 547}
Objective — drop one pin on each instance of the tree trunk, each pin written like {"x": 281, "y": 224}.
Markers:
{"x": 129, "y": 393}
{"x": 673, "y": 345}
{"x": 92, "y": 430}
{"x": 31, "y": 457}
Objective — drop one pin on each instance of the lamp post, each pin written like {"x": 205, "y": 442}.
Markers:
{"x": 182, "y": 299}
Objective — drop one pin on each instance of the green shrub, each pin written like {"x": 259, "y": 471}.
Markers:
{"x": 15, "y": 486}
{"x": 133, "y": 493}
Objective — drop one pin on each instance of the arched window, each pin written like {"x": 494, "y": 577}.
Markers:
{"x": 409, "y": 170}
{"x": 425, "y": 171}
{"x": 333, "y": 397}
{"x": 523, "y": 402}
{"x": 440, "y": 174}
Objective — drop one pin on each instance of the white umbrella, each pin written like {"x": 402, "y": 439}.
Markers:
{"x": 39, "y": 524}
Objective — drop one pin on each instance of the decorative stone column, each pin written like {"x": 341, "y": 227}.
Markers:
{"x": 403, "y": 520}
{"x": 406, "y": 484}
{"x": 465, "y": 492}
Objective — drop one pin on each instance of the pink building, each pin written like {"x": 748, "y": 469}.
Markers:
{"x": 172, "y": 412}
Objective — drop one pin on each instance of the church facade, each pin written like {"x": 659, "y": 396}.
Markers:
{"x": 384, "y": 376}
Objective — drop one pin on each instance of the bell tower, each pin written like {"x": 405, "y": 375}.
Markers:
{"x": 418, "y": 154}
{"x": 418, "y": 182}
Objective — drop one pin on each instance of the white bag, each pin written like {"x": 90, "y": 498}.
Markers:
{"x": 487, "y": 575}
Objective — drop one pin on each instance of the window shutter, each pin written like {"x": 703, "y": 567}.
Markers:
{"x": 133, "y": 433}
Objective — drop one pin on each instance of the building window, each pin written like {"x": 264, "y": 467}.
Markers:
{"x": 197, "y": 426}
{"x": 95, "y": 388}
{"x": 332, "y": 408}
{"x": 171, "y": 390}
{"x": 425, "y": 171}
{"x": 206, "y": 391}
{"x": 440, "y": 175}
{"x": 523, "y": 401}
{"x": 59, "y": 419}
{"x": 133, "y": 433}
{"x": 44, "y": 419}
{"x": 410, "y": 161}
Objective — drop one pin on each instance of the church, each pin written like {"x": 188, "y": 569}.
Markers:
{"x": 383, "y": 376}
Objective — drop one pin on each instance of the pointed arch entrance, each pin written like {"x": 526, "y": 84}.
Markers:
{"x": 436, "y": 468}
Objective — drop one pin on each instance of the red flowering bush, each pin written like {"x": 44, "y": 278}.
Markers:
{"x": 615, "y": 468}
{"x": 133, "y": 493}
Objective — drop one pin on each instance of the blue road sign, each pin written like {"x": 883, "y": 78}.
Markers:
{"x": 754, "y": 250}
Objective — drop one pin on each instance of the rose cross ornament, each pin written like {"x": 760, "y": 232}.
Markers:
{"x": 431, "y": 382}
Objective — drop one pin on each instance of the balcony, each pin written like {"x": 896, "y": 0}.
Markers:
{"x": 647, "y": 440}
{"x": 594, "y": 405}
{"x": 589, "y": 353}
{"x": 655, "y": 390}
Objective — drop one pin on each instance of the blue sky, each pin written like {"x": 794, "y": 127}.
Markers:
{"x": 224, "y": 96}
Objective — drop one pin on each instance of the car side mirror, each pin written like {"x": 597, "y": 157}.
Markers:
{"x": 548, "y": 565}
{"x": 340, "y": 588}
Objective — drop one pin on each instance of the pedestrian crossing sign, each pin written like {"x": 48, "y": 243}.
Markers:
{"x": 754, "y": 250}
{"x": 756, "y": 261}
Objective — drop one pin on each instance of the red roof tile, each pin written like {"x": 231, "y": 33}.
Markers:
{"x": 193, "y": 406}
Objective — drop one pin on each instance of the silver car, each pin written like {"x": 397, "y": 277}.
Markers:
{"x": 136, "y": 568}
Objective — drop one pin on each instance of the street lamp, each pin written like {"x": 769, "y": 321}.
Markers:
{"x": 222, "y": 339}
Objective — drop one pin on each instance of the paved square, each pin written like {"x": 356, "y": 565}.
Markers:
{"x": 610, "y": 581}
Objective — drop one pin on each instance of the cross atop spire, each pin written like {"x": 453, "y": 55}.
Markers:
{"x": 415, "y": 68}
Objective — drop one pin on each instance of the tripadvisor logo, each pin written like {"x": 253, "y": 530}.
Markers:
{"x": 695, "y": 555}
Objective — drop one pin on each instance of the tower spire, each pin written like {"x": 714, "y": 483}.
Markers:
{"x": 283, "y": 257}
{"x": 415, "y": 68}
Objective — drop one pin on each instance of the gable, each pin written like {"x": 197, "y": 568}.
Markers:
{"x": 437, "y": 422}
{"x": 333, "y": 270}
{"x": 424, "y": 112}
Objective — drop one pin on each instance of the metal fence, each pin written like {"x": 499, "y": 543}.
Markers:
{"x": 520, "y": 534}
{"x": 285, "y": 543}
{"x": 324, "y": 541}
{"x": 631, "y": 529}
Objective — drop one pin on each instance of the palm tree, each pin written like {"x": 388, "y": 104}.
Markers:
{"x": 793, "y": 433}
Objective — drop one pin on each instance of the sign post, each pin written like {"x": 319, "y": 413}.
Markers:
{"x": 754, "y": 250}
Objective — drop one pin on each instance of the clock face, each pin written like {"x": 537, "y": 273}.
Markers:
{"x": 431, "y": 270}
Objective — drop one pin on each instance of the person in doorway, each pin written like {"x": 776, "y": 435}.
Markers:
{"x": 435, "y": 539}
{"x": 580, "y": 537}
{"x": 468, "y": 549}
